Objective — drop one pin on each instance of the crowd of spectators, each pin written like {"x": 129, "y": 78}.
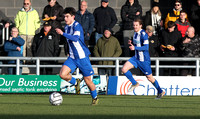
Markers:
{"x": 173, "y": 35}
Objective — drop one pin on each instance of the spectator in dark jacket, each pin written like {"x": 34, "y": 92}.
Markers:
{"x": 169, "y": 41}
{"x": 130, "y": 10}
{"x": 195, "y": 17}
{"x": 190, "y": 44}
{"x": 4, "y": 22}
{"x": 54, "y": 12}
{"x": 182, "y": 23}
{"x": 190, "y": 47}
{"x": 104, "y": 17}
{"x": 14, "y": 48}
{"x": 86, "y": 19}
{"x": 154, "y": 43}
{"x": 154, "y": 18}
{"x": 45, "y": 44}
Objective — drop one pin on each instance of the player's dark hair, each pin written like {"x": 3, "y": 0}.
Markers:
{"x": 70, "y": 10}
{"x": 170, "y": 24}
{"x": 138, "y": 20}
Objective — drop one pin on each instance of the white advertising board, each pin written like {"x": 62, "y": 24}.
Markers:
{"x": 173, "y": 86}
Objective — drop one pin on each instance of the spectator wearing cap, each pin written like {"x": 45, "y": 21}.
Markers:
{"x": 154, "y": 43}
{"x": 27, "y": 21}
{"x": 14, "y": 48}
{"x": 107, "y": 46}
{"x": 182, "y": 23}
{"x": 86, "y": 19}
{"x": 154, "y": 18}
{"x": 195, "y": 16}
{"x": 174, "y": 14}
{"x": 46, "y": 44}
{"x": 130, "y": 11}
{"x": 104, "y": 17}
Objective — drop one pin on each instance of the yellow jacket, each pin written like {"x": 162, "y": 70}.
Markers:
{"x": 172, "y": 16}
{"x": 27, "y": 22}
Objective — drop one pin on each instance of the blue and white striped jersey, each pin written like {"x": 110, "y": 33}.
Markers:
{"x": 141, "y": 43}
{"x": 75, "y": 38}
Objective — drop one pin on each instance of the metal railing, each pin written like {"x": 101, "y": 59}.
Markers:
{"x": 5, "y": 34}
{"x": 117, "y": 61}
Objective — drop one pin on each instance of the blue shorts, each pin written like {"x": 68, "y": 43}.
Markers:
{"x": 145, "y": 66}
{"x": 83, "y": 64}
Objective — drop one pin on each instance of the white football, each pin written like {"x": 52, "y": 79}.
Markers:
{"x": 55, "y": 98}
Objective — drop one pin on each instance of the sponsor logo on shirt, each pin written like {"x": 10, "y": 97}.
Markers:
{"x": 50, "y": 37}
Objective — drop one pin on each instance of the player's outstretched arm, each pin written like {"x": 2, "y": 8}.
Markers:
{"x": 70, "y": 37}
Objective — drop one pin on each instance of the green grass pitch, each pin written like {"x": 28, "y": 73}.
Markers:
{"x": 37, "y": 106}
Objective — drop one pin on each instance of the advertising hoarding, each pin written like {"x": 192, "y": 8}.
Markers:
{"x": 29, "y": 83}
{"x": 173, "y": 86}
{"x": 99, "y": 81}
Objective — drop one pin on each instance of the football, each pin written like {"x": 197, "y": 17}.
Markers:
{"x": 55, "y": 98}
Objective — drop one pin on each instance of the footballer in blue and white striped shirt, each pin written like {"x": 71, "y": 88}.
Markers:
{"x": 141, "y": 59}
{"x": 78, "y": 53}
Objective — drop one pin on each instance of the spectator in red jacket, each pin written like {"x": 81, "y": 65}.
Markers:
{"x": 182, "y": 23}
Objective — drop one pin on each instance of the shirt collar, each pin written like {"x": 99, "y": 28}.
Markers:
{"x": 139, "y": 31}
{"x": 71, "y": 23}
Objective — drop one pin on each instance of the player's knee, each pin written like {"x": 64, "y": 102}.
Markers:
{"x": 151, "y": 79}
{"x": 148, "y": 78}
{"x": 87, "y": 80}
{"x": 63, "y": 76}
{"x": 124, "y": 70}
